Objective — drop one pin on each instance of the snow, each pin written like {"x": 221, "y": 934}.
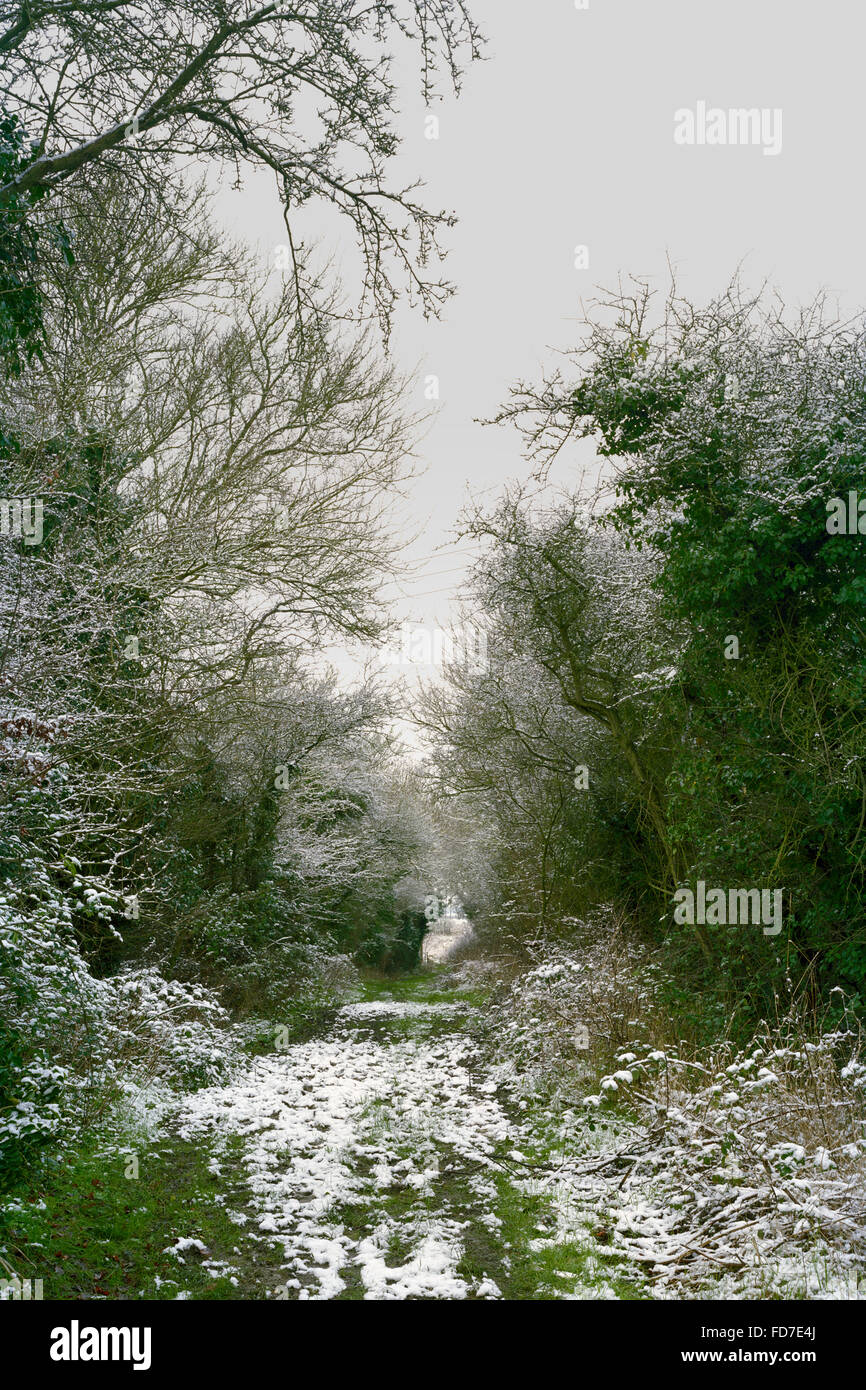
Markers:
{"x": 443, "y": 938}
{"x": 368, "y": 1162}
{"x": 409, "y": 1008}
{"x": 354, "y": 1119}
{"x": 185, "y": 1243}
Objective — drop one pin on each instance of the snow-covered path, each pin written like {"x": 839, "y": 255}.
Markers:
{"x": 367, "y": 1159}
{"x": 443, "y": 938}
{"x": 395, "y": 1158}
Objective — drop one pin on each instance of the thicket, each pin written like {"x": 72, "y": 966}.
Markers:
{"x": 675, "y": 683}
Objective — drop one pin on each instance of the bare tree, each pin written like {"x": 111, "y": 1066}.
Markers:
{"x": 260, "y": 455}
{"x": 302, "y": 89}
{"x": 216, "y": 483}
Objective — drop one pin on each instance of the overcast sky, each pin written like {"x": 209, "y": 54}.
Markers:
{"x": 564, "y": 136}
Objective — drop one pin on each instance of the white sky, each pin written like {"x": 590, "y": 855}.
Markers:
{"x": 564, "y": 136}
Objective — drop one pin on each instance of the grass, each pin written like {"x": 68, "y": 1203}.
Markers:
{"x": 513, "y": 1254}
{"x": 539, "y": 1271}
{"x": 297, "y": 1022}
{"x": 96, "y": 1233}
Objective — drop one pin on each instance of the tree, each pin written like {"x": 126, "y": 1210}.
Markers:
{"x": 302, "y": 89}
{"x": 259, "y": 454}
{"x": 22, "y": 332}
{"x": 216, "y": 478}
{"x": 730, "y": 429}
{"x": 566, "y": 594}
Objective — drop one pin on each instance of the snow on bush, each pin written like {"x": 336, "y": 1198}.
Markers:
{"x": 747, "y": 1167}
{"x": 69, "y": 1042}
{"x": 167, "y": 1029}
{"x": 710, "y": 1171}
{"x": 575, "y": 1004}
{"x": 50, "y": 1019}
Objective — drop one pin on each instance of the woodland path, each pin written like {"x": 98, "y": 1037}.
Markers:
{"x": 378, "y": 1161}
